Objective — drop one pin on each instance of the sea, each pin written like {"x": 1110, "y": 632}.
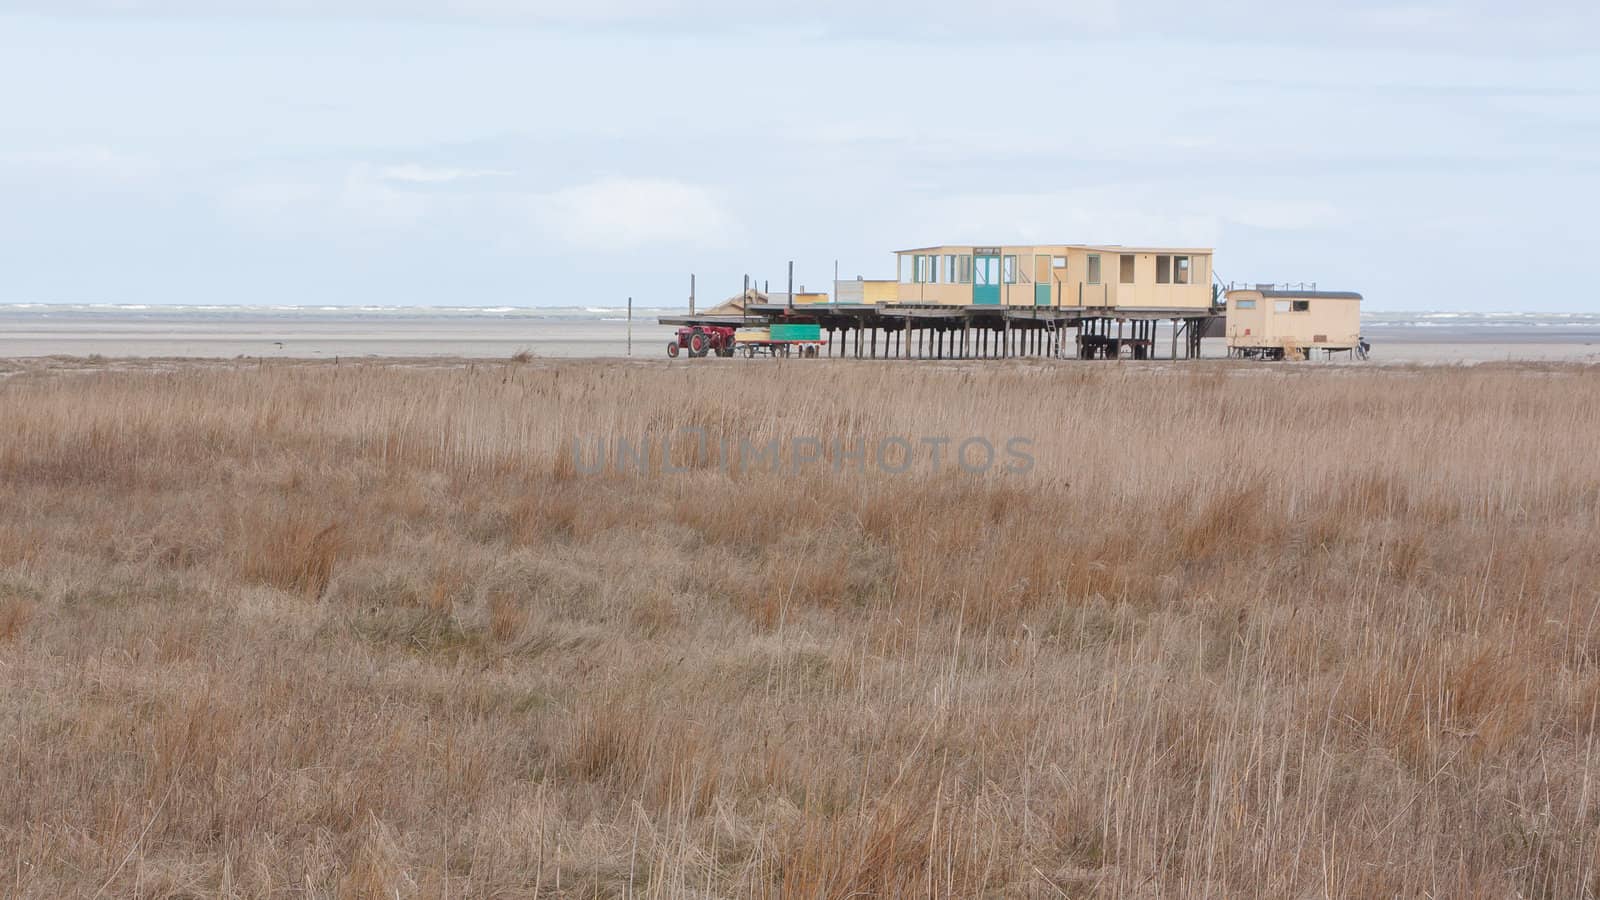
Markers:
{"x": 301, "y": 331}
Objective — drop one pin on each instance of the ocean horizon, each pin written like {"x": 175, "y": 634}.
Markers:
{"x": 1372, "y": 318}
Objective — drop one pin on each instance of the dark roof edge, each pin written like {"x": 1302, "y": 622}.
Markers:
{"x": 1312, "y": 295}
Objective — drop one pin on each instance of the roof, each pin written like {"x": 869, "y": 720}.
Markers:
{"x": 1103, "y": 248}
{"x": 1310, "y": 295}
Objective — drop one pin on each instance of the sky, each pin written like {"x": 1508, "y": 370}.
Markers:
{"x": 1440, "y": 156}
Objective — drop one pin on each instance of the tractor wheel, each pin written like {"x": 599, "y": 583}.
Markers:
{"x": 699, "y": 343}
{"x": 672, "y": 349}
{"x": 749, "y": 353}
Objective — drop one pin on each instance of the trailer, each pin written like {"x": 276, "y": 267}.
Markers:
{"x": 1268, "y": 322}
{"x": 779, "y": 340}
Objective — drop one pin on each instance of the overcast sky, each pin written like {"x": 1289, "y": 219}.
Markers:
{"x": 521, "y": 152}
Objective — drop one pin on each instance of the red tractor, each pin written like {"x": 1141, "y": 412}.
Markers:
{"x": 702, "y": 340}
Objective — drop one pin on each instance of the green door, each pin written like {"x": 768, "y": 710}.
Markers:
{"x": 1043, "y": 272}
{"x": 985, "y": 280}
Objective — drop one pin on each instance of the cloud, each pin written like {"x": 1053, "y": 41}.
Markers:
{"x": 411, "y": 173}
{"x": 629, "y": 213}
{"x": 84, "y": 161}
{"x": 360, "y": 202}
{"x": 372, "y": 200}
{"x": 1431, "y": 22}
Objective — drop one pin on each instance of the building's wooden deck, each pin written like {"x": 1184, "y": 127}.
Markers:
{"x": 983, "y": 332}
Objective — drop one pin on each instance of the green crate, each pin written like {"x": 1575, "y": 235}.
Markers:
{"x": 797, "y": 332}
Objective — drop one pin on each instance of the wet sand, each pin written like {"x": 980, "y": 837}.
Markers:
{"x": 320, "y": 336}
{"x": 228, "y": 335}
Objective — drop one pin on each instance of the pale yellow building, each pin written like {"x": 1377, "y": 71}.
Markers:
{"x": 1056, "y": 275}
{"x": 1288, "y": 324}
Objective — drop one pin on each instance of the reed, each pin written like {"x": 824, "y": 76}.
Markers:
{"x": 372, "y": 630}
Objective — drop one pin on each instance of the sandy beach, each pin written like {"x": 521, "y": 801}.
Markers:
{"x": 228, "y": 333}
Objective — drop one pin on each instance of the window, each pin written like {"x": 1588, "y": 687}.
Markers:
{"x": 1011, "y": 270}
{"x": 986, "y": 272}
{"x": 1302, "y": 306}
{"x": 966, "y": 269}
{"x": 1094, "y": 268}
{"x": 952, "y": 275}
{"x": 1180, "y": 270}
{"x": 921, "y": 268}
{"x": 1244, "y": 304}
{"x": 1127, "y": 268}
{"x": 1163, "y": 270}
{"x": 908, "y": 270}
{"x": 1059, "y": 262}
{"x": 1284, "y": 306}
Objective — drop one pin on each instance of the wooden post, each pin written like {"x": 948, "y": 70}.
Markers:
{"x": 874, "y": 339}
{"x": 1119, "y": 340}
{"x": 691, "y": 295}
{"x": 790, "y": 304}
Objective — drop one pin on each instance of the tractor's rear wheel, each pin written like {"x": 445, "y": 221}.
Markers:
{"x": 699, "y": 343}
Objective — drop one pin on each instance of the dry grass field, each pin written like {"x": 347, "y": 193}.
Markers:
{"x": 371, "y": 631}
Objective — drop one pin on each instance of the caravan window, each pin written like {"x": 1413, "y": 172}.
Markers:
{"x": 1093, "y": 275}
{"x": 1180, "y": 270}
{"x": 1244, "y": 304}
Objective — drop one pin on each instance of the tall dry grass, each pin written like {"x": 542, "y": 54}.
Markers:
{"x": 368, "y": 631}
